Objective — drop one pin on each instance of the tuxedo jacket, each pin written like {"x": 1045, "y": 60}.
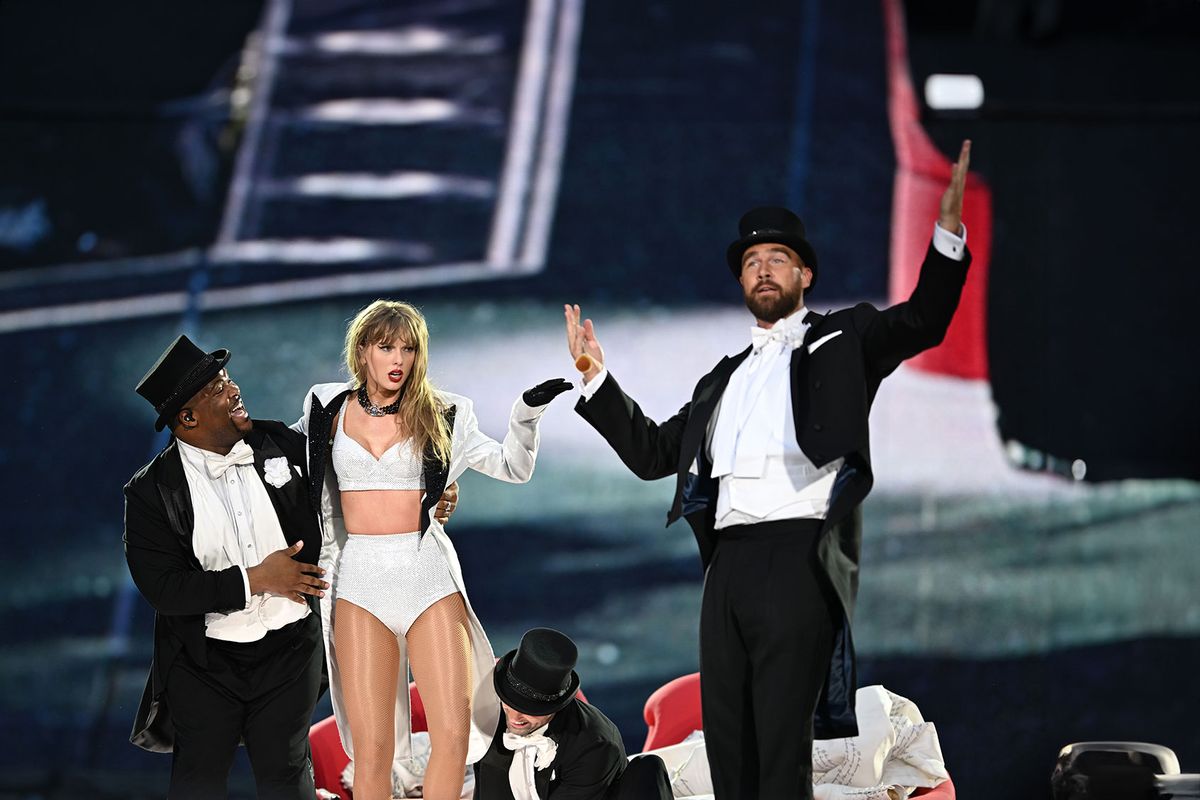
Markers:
{"x": 835, "y": 374}
{"x": 159, "y": 520}
{"x": 587, "y": 765}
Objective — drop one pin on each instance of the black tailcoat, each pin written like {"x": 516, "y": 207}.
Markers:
{"x": 159, "y": 520}
{"x": 832, "y": 391}
{"x": 587, "y": 765}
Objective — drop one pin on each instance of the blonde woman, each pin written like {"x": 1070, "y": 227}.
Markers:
{"x": 381, "y": 449}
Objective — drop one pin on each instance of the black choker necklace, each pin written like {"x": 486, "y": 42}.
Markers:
{"x": 374, "y": 410}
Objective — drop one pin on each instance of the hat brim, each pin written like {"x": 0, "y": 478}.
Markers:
{"x": 527, "y": 705}
{"x": 733, "y": 255}
{"x": 188, "y": 390}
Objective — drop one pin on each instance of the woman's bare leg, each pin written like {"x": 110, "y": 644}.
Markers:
{"x": 369, "y": 663}
{"x": 439, "y": 651}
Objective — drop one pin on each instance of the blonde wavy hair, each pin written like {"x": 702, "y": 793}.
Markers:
{"x": 420, "y": 409}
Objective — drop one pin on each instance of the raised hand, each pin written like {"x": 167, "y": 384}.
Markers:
{"x": 950, "y": 218}
{"x": 584, "y": 346}
{"x": 280, "y": 574}
{"x": 545, "y": 391}
{"x": 446, "y": 505}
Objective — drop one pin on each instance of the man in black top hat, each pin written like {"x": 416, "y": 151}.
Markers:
{"x": 549, "y": 745}
{"x": 222, "y": 540}
{"x": 772, "y": 463}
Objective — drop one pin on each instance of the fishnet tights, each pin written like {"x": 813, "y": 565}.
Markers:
{"x": 439, "y": 652}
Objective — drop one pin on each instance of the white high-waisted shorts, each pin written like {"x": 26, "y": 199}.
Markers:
{"x": 393, "y": 577}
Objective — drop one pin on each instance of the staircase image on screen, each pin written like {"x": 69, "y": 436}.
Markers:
{"x": 383, "y": 146}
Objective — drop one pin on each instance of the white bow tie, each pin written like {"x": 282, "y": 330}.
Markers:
{"x": 761, "y": 337}
{"x": 546, "y": 747}
{"x": 217, "y": 464}
{"x": 535, "y": 751}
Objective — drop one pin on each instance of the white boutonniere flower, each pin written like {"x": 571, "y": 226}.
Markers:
{"x": 276, "y": 471}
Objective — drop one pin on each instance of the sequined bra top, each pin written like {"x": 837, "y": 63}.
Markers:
{"x": 357, "y": 470}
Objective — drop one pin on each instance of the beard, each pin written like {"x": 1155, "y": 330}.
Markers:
{"x": 773, "y": 307}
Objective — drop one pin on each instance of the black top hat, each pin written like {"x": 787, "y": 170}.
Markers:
{"x": 182, "y": 370}
{"x": 776, "y": 225}
{"x": 538, "y": 678}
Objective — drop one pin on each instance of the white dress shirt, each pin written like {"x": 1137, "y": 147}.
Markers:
{"x": 763, "y": 473}
{"x": 751, "y": 439}
{"x": 236, "y": 525}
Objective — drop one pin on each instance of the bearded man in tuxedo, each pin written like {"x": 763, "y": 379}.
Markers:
{"x": 772, "y": 463}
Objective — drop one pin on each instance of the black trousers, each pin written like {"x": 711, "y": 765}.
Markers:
{"x": 766, "y": 637}
{"x": 261, "y": 693}
{"x": 644, "y": 778}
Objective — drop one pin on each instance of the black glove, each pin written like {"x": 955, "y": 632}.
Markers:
{"x": 545, "y": 391}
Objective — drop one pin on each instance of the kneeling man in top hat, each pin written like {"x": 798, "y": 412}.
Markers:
{"x": 549, "y": 745}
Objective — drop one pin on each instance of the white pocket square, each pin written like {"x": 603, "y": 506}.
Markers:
{"x": 812, "y": 348}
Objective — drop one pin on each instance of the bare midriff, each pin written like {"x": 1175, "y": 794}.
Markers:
{"x": 382, "y": 511}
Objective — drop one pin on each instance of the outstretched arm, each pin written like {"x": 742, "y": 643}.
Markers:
{"x": 650, "y": 450}
{"x": 513, "y": 459}
{"x": 919, "y": 323}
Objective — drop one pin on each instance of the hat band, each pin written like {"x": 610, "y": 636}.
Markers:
{"x": 533, "y": 694}
{"x": 194, "y": 373}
